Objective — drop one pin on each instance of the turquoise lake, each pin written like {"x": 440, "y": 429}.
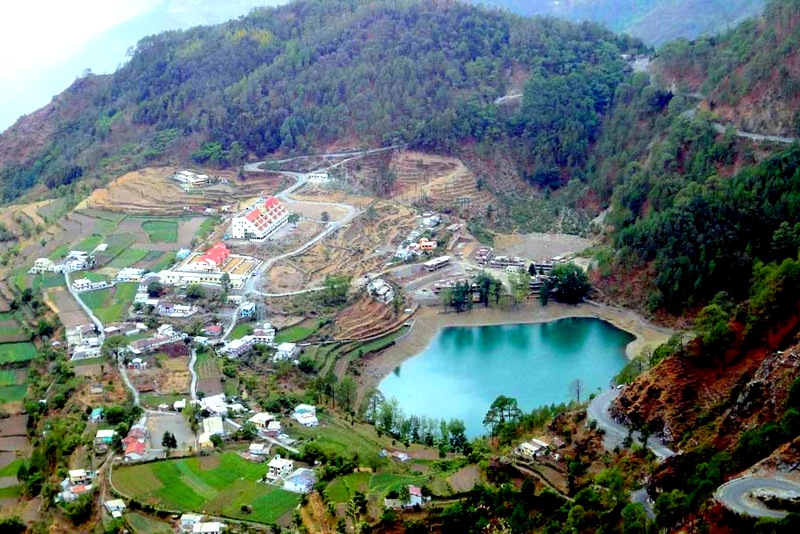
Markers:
{"x": 465, "y": 368}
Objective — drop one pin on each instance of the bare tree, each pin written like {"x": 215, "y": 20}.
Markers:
{"x": 576, "y": 387}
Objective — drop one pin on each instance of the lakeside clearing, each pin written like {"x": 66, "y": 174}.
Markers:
{"x": 429, "y": 320}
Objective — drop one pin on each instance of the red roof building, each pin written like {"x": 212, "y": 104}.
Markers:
{"x": 260, "y": 220}
{"x": 213, "y": 259}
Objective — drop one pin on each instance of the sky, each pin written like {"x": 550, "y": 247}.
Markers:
{"x": 46, "y": 44}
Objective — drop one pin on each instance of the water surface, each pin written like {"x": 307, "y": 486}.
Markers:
{"x": 465, "y": 368}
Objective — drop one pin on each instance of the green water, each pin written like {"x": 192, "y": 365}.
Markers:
{"x": 465, "y": 368}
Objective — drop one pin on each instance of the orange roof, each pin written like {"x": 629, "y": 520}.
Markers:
{"x": 136, "y": 447}
{"x": 218, "y": 253}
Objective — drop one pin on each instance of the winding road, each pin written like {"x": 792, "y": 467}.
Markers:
{"x": 192, "y": 362}
{"x": 738, "y": 495}
{"x": 615, "y": 432}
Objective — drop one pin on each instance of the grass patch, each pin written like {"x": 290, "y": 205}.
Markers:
{"x": 340, "y": 438}
{"x": 218, "y": 485}
{"x": 16, "y": 352}
{"x": 241, "y": 330}
{"x": 299, "y": 332}
{"x": 383, "y": 483}
{"x": 9, "y": 378}
{"x": 94, "y": 277}
{"x": 207, "y": 227}
{"x": 166, "y": 260}
{"x": 11, "y": 469}
{"x": 12, "y": 492}
{"x": 13, "y": 393}
{"x": 60, "y": 252}
{"x": 141, "y": 524}
{"x": 50, "y": 280}
{"x": 155, "y": 400}
{"x": 162, "y": 230}
{"x": 128, "y": 257}
{"x": 111, "y": 305}
{"x": 90, "y": 243}
{"x": 343, "y": 488}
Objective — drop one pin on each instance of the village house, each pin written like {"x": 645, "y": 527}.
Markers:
{"x": 213, "y": 426}
{"x": 261, "y": 420}
{"x": 129, "y": 274}
{"x": 171, "y": 309}
{"x": 286, "y": 351}
{"x": 237, "y": 347}
{"x": 259, "y": 449}
{"x": 319, "y": 177}
{"x": 247, "y": 310}
{"x": 279, "y": 468}
{"x": 150, "y": 278}
{"x": 188, "y": 521}
{"x": 213, "y": 259}
{"x": 79, "y": 476}
{"x": 301, "y": 481}
{"x": 259, "y": 221}
{"x": 306, "y": 415}
{"x": 208, "y": 527}
{"x": 214, "y": 330}
{"x": 264, "y": 335}
{"x": 96, "y": 415}
{"x": 115, "y": 507}
{"x": 83, "y": 285}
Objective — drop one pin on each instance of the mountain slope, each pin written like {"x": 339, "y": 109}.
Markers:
{"x": 316, "y": 72}
{"x": 654, "y": 21}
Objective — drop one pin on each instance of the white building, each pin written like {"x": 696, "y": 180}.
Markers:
{"x": 301, "y": 481}
{"x": 306, "y": 415}
{"x": 260, "y": 220}
{"x": 259, "y": 449}
{"x": 176, "y": 310}
{"x": 84, "y": 284}
{"x": 237, "y": 347}
{"x": 129, "y": 274}
{"x": 261, "y": 419}
{"x": 319, "y": 177}
{"x": 188, "y": 521}
{"x": 213, "y": 425}
{"x": 279, "y": 468}
{"x": 286, "y": 351}
{"x": 209, "y": 527}
{"x": 264, "y": 335}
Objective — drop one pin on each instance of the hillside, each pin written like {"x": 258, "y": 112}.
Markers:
{"x": 313, "y": 74}
{"x": 654, "y": 21}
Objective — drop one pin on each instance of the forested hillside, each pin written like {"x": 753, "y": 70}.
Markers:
{"x": 317, "y": 73}
{"x": 655, "y": 21}
{"x": 696, "y": 209}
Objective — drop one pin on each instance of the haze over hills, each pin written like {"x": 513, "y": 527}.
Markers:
{"x": 653, "y": 21}
{"x": 104, "y": 52}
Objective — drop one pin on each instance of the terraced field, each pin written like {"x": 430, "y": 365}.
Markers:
{"x": 219, "y": 484}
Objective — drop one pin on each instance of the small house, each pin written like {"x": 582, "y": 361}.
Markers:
{"x": 79, "y": 477}
{"x": 96, "y": 415}
{"x": 209, "y": 527}
{"x": 301, "y": 481}
{"x": 259, "y": 449}
{"x": 105, "y": 436}
{"x": 286, "y": 351}
{"x": 248, "y": 309}
{"x": 135, "y": 451}
{"x": 188, "y": 521}
{"x": 279, "y": 468}
{"x": 213, "y": 425}
{"x": 261, "y": 420}
{"x": 115, "y": 507}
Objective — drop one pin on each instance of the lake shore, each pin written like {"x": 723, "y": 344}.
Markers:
{"x": 429, "y": 320}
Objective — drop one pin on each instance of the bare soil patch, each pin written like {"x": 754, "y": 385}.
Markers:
{"x": 285, "y": 278}
{"x": 13, "y": 426}
{"x": 465, "y": 479}
{"x": 209, "y": 462}
{"x": 157, "y": 424}
{"x": 13, "y": 443}
{"x": 69, "y": 311}
{"x": 209, "y": 386}
{"x": 540, "y": 246}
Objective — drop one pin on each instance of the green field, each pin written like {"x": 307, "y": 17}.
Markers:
{"x": 141, "y": 524}
{"x": 111, "y": 305}
{"x": 207, "y": 227}
{"x": 343, "y": 488}
{"x": 241, "y": 330}
{"x": 16, "y": 352}
{"x": 128, "y": 257}
{"x": 11, "y": 469}
{"x": 161, "y": 230}
{"x": 165, "y": 261}
{"x": 9, "y": 377}
{"x": 49, "y": 280}
{"x": 90, "y": 243}
{"x": 298, "y": 332}
{"x": 13, "y": 393}
{"x": 341, "y": 438}
{"x": 218, "y": 484}
{"x": 60, "y": 252}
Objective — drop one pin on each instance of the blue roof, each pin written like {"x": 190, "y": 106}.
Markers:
{"x": 97, "y": 412}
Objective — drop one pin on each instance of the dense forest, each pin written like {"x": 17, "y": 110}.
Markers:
{"x": 316, "y": 72}
{"x": 701, "y": 207}
{"x": 655, "y": 21}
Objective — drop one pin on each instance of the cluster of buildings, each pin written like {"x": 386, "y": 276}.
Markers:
{"x": 164, "y": 335}
{"x": 536, "y": 447}
{"x": 266, "y": 423}
{"x": 83, "y": 342}
{"x": 381, "y": 291}
{"x": 135, "y": 444}
{"x": 260, "y": 220}
{"x": 77, "y": 482}
{"x": 262, "y": 335}
{"x": 295, "y": 480}
{"x": 194, "y": 524}
{"x": 437, "y": 263}
{"x": 209, "y": 267}
{"x": 415, "y": 244}
{"x": 191, "y": 179}
{"x": 129, "y": 274}
{"x": 75, "y": 260}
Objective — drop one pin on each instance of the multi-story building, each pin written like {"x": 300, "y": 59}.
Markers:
{"x": 260, "y": 220}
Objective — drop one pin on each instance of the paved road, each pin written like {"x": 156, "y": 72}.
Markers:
{"x": 507, "y": 98}
{"x": 643, "y": 498}
{"x": 721, "y": 128}
{"x": 615, "y": 433}
{"x": 101, "y": 335}
{"x": 192, "y": 370}
{"x": 97, "y": 323}
{"x": 737, "y": 494}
